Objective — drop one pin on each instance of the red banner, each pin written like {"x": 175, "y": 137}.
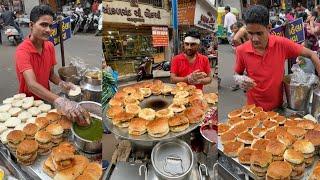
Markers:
{"x": 160, "y": 36}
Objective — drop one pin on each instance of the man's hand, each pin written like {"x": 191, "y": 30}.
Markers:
{"x": 244, "y": 82}
{"x": 196, "y": 76}
{"x": 72, "y": 110}
{"x": 66, "y": 86}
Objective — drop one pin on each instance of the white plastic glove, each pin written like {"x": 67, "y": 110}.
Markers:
{"x": 195, "y": 77}
{"x": 244, "y": 82}
{"x": 72, "y": 110}
{"x": 66, "y": 86}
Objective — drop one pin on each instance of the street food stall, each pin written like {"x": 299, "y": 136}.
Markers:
{"x": 256, "y": 144}
{"x": 164, "y": 131}
{"x": 37, "y": 142}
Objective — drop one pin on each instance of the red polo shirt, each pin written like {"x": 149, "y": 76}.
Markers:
{"x": 181, "y": 67}
{"x": 27, "y": 57}
{"x": 266, "y": 70}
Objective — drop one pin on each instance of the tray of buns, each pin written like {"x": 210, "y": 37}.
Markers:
{"x": 154, "y": 111}
{"x": 269, "y": 145}
{"x": 38, "y": 138}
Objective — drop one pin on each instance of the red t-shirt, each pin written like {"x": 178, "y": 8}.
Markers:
{"x": 266, "y": 70}
{"x": 181, "y": 67}
{"x": 27, "y": 57}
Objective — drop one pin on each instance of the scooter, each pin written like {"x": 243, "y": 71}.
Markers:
{"x": 12, "y": 35}
{"x": 145, "y": 70}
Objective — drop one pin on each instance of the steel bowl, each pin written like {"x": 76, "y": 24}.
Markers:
{"x": 172, "y": 160}
{"x": 87, "y": 145}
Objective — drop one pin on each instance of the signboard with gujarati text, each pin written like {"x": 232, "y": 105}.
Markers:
{"x": 294, "y": 30}
{"x": 65, "y": 31}
{"x": 160, "y": 36}
{"x": 186, "y": 12}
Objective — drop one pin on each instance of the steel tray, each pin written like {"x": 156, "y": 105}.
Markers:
{"x": 123, "y": 132}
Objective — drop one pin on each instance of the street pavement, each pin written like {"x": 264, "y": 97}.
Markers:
{"x": 228, "y": 100}
{"x": 85, "y": 47}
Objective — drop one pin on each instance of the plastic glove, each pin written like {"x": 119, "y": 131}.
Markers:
{"x": 72, "y": 110}
{"x": 66, "y": 86}
{"x": 244, "y": 82}
{"x": 195, "y": 77}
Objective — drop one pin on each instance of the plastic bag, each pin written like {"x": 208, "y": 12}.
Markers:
{"x": 239, "y": 79}
{"x": 80, "y": 65}
{"x": 299, "y": 77}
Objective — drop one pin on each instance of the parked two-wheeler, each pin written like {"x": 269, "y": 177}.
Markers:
{"x": 144, "y": 69}
{"x": 13, "y": 35}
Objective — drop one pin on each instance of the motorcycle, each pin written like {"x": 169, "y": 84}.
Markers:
{"x": 12, "y": 35}
{"x": 79, "y": 23}
{"x": 144, "y": 69}
{"x": 91, "y": 23}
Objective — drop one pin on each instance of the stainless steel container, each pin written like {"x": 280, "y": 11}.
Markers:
{"x": 69, "y": 74}
{"x": 91, "y": 89}
{"x": 315, "y": 108}
{"x": 87, "y": 145}
{"x": 172, "y": 160}
{"x": 298, "y": 96}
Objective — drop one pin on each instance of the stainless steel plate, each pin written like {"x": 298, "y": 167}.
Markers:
{"x": 123, "y": 132}
{"x": 172, "y": 158}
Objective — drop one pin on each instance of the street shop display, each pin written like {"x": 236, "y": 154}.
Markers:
{"x": 161, "y": 114}
{"x": 272, "y": 146}
{"x": 39, "y": 137}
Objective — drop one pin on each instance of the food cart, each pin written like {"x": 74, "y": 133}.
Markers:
{"x": 274, "y": 125}
{"x": 173, "y": 154}
{"x": 83, "y": 148}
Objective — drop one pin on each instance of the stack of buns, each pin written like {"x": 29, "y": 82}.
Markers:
{"x": 14, "y": 138}
{"x": 30, "y": 127}
{"x": 296, "y": 159}
{"x": 287, "y": 145}
{"x": 63, "y": 163}
{"x": 44, "y": 140}
{"x": 27, "y": 152}
{"x": 56, "y": 132}
{"x": 188, "y": 107}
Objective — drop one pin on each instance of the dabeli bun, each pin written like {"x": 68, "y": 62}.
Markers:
{"x": 194, "y": 114}
{"x": 137, "y": 126}
{"x": 178, "y": 123}
{"x": 235, "y": 113}
{"x": 279, "y": 170}
{"x": 260, "y": 160}
{"x": 232, "y": 149}
{"x": 147, "y": 114}
{"x": 158, "y": 127}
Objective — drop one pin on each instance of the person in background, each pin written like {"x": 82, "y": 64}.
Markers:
{"x": 229, "y": 20}
{"x": 289, "y": 15}
{"x": 263, "y": 58}
{"x": 79, "y": 9}
{"x": 240, "y": 34}
{"x": 282, "y": 15}
{"x": 34, "y": 62}
{"x": 94, "y": 7}
{"x": 190, "y": 66}
{"x": 8, "y": 18}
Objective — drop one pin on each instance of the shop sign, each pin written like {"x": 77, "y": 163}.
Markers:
{"x": 160, "y": 36}
{"x": 204, "y": 16}
{"x": 294, "y": 30}
{"x": 186, "y": 12}
{"x": 65, "y": 31}
{"x": 123, "y": 12}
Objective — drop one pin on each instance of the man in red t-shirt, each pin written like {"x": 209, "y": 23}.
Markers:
{"x": 190, "y": 66}
{"x": 263, "y": 58}
{"x": 35, "y": 60}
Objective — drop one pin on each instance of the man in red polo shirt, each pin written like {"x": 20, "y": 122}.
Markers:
{"x": 35, "y": 60}
{"x": 263, "y": 58}
{"x": 190, "y": 66}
